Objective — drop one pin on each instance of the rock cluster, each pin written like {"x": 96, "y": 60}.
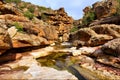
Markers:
{"x": 59, "y": 19}
{"x": 112, "y": 47}
{"x": 95, "y": 35}
{"x": 18, "y": 31}
{"x": 105, "y": 8}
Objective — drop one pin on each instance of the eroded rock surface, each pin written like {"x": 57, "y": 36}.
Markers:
{"x": 95, "y": 35}
{"x": 5, "y": 41}
{"x": 112, "y": 47}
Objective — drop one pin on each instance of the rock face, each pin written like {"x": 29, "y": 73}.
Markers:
{"x": 95, "y": 35}
{"x": 59, "y": 19}
{"x": 9, "y": 9}
{"x": 5, "y": 41}
{"x": 105, "y": 8}
{"x": 107, "y": 20}
{"x": 31, "y": 34}
{"x": 112, "y": 47}
{"x": 43, "y": 28}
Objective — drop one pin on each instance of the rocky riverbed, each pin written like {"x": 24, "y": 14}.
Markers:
{"x": 41, "y": 43}
{"x": 58, "y": 62}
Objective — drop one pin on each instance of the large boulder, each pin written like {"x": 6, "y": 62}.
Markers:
{"x": 22, "y": 39}
{"x": 112, "y": 47}
{"x": 95, "y": 35}
{"x": 10, "y": 8}
{"x": 105, "y": 8}
{"x": 107, "y": 20}
{"x": 5, "y": 41}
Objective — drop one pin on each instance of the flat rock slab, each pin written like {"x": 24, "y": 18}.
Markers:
{"x": 39, "y": 72}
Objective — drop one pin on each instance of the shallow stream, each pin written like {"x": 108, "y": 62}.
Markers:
{"x": 65, "y": 61}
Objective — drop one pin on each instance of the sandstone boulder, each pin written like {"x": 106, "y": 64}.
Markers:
{"x": 10, "y": 8}
{"x": 112, "y": 47}
{"x": 5, "y": 41}
{"x": 95, "y": 35}
{"x": 22, "y": 39}
{"x": 105, "y": 8}
{"x": 107, "y": 20}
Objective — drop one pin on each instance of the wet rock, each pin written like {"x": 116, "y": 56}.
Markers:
{"x": 112, "y": 47}
{"x": 34, "y": 71}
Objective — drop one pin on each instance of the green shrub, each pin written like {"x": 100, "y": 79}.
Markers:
{"x": 29, "y": 15}
{"x": 89, "y": 17}
{"x": 31, "y": 9}
{"x": 42, "y": 8}
{"x": 74, "y": 29}
{"x": 118, "y": 9}
{"x": 15, "y": 1}
{"x": 24, "y": 5}
{"x": 18, "y": 27}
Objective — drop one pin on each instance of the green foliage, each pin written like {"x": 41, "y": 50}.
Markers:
{"x": 74, "y": 29}
{"x": 15, "y": 1}
{"x": 23, "y": 6}
{"x": 118, "y": 9}
{"x": 31, "y": 9}
{"x": 29, "y": 15}
{"x": 41, "y": 8}
{"x": 18, "y": 27}
{"x": 89, "y": 17}
{"x": 118, "y": 1}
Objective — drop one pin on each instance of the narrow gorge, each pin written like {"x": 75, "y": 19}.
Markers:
{"x": 40, "y": 43}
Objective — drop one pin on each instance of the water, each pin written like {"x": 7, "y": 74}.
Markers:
{"x": 65, "y": 61}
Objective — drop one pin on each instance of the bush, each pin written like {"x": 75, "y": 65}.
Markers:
{"x": 42, "y": 8}
{"x": 24, "y": 5}
{"x": 31, "y": 9}
{"x": 118, "y": 9}
{"x": 74, "y": 29}
{"x": 18, "y": 27}
{"x": 29, "y": 15}
{"x": 15, "y": 1}
{"x": 89, "y": 17}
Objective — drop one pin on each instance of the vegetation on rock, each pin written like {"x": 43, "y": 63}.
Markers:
{"x": 88, "y": 18}
{"x": 18, "y": 27}
{"x": 75, "y": 28}
{"x": 29, "y": 15}
{"x": 15, "y": 1}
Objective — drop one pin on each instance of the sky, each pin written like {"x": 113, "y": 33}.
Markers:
{"x": 73, "y": 8}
